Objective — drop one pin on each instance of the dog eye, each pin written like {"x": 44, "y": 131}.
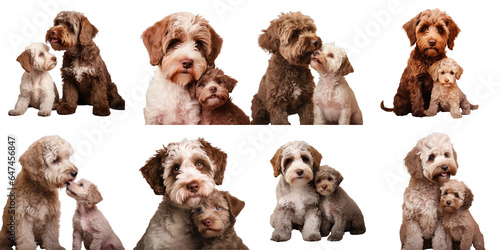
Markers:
{"x": 198, "y": 211}
{"x": 451, "y": 73}
{"x": 318, "y": 180}
{"x": 176, "y": 168}
{"x": 217, "y": 208}
{"x": 199, "y": 44}
{"x": 446, "y": 155}
{"x": 81, "y": 185}
{"x": 173, "y": 43}
{"x": 424, "y": 28}
{"x": 456, "y": 195}
{"x": 445, "y": 193}
{"x": 69, "y": 26}
{"x": 431, "y": 157}
{"x": 202, "y": 84}
{"x": 440, "y": 29}
{"x": 330, "y": 55}
{"x": 219, "y": 82}
{"x": 41, "y": 54}
{"x": 200, "y": 165}
{"x": 330, "y": 179}
{"x": 287, "y": 161}
{"x": 305, "y": 159}
{"x": 442, "y": 72}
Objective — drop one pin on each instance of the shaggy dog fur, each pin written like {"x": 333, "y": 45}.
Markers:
{"x": 89, "y": 224}
{"x": 334, "y": 100}
{"x": 37, "y": 88}
{"x": 45, "y": 168}
{"x": 297, "y": 200}
{"x": 287, "y": 87}
{"x": 212, "y": 91}
{"x": 432, "y": 31}
{"x": 456, "y": 199}
{"x": 183, "y": 173}
{"x": 337, "y": 208}
{"x": 446, "y": 95}
{"x": 430, "y": 164}
{"x": 183, "y": 46}
{"x": 214, "y": 219}
{"x": 86, "y": 80}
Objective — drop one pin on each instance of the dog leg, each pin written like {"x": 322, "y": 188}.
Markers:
{"x": 417, "y": 103}
{"x": 325, "y": 228}
{"x": 358, "y": 225}
{"x": 411, "y": 236}
{"x": 77, "y": 240}
{"x": 25, "y": 238}
{"x": 479, "y": 241}
{"x": 312, "y": 223}
{"x": 433, "y": 107}
{"x": 96, "y": 241}
{"x": 99, "y": 98}
{"x": 260, "y": 116}
{"x": 278, "y": 115}
{"x": 319, "y": 118}
{"x": 441, "y": 240}
{"x": 338, "y": 228}
{"x": 115, "y": 100}
{"x": 455, "y": 110}
{"x": 306, "y": 114}
{"x": 69, "y": 100}
{"x": 466, "y": 242}
{"x": 5, "y": 242}
{"x": 22, "y": 105}
{"x": 283, "y": 224}
{"x": 51, "y": 235}
{"x": 345, "y": 116}
{"x": 46, "y": 105}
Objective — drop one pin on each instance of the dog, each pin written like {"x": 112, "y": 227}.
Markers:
{"x": 430, "y": 164}
{"x": 183, "y": 46}
{"x": 37, "y": 88}
{"x": 86, "y": 80}
{"x": 456, "y": 199}
{"x": 297, "y": 200}
{"x": 287, "y": 87}
{"x": 214, "y": 218}
{"x": 212, "y": 91}
{"x": 334, "y": 100}
{"x": 337, "y": 208}
{"x": 46, "y": 167}
{"x": 89, "y": 224}
{"x": 183, "y": 173}
{"x": 432, "y": 31}
{"x": 446, "y": 95}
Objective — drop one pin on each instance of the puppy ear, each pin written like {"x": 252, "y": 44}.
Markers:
{"x": 32, "y": 161}
{"x": 276, "y": 162}
{"x": 26, "y": 60}
{"x": 191, "y": 88}
{"x": 433, "y": 70}
{"x": 87, "y": 31}
{"x": 345, "y": 67}
{"x": 216, "y": 46}
{"x": 338, "y": 177}
{"x": 410, "y": 27}
{"x": 218, "y": 158}
{"x": 459, "y": 72}
{"x": 455, "y": 156}
{"x": 453, "y": 29}
{"x": 413, "y": 164}
{"x": 269, "y": 39}
{"x": 152, "y": 38}
{"x": 235, "y": 204}
{"x": 93, "y": 197}
{"x": 153, "y": 171}
{"x": 231, "y": 83}
{"x": 469, "y": 197}
{"x": 316, "y": 157}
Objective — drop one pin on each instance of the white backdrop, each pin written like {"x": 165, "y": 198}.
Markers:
{"x": 109, "y": 151}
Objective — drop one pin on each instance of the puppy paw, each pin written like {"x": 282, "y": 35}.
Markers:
{"x": 428, "y": 113}
{"x": 65, "y": 109}
{"x": 357, "y": 231}
{"x": 336, "y": 236}
{"x": 44, "y": 113}
{"x": 118, "y": 104}
{"x": 456, "y": 116}
{"x": 325, "y": 233}
{"x": 418, "y": 113}
{"x": 281, "y": 237}
{"x": 312, "y": 237}
{"x": 101, "y": 111}
{"x": 15, "y": 112}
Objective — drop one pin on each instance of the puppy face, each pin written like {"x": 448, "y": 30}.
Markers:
{"x": 70, "y": 29}
{"x": 213, "y": 88}
{"x": 454, "y": 195}
{"x": 185, "y": 171}
{"x": 446, "y": 72}
{"x": 331, "y": 60}
{"x": 327, "y": 180}
{"x": 296, "y": 161}
{"x": 37, "y": 57}
{"x": 47, "y": 161}
{"x": 216, "y": 213}
{"x": 432, "y": 30}
{"x": 84, "y": 191}
{"x": 293, "y": 35}
{"x": 432, "y": 158}
{"x": 183, "y": 45}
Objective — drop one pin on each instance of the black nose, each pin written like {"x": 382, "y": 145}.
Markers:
{"x": 213, "y": 89}
{"x": 432, "y": 42}
{"x": 300, "y": 172}
{"x": 54, "y": 59}
{"x": 187, "y": 63}
{"x": 315, "y": 43}
{"x": 193, "y": 187}
{"x": 448, "y": 202}
{"x": 73, "y": 173}
{"x": 315, "y": 53}
{"x": 444, "y": 168}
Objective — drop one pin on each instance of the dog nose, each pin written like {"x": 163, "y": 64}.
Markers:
{"x": 432, "y": 42}
{"x": 446, "y": 80}
{"x": 213, "y": 89}
{"x": 315, "y": 53}
{"x": 315, "y": 43}
{"x": 73, "y": 174}
{"x": 300, "y": 172}
{"x": 54, "y": 59}
{"x": 444, "y": 168}
{"x": 207, "y": 223}
{"x": 324, "y": 187}
{"x": 187, "y": 63}
{"x": 193, "y": 187}
{"x": 448, "y": 203}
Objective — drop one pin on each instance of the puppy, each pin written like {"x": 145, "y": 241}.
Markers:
{"x": 45, "y": 168}
{"x": 337, "y": 208}
{"x": 214, "y": 218}
{"x": 297, "y": 200}
{"x": 86, "y": 80}
{"x": 445, "y": 92}
{"x": 432, "y": 31}
{"x": 456, "y": 199}
{"x": 212, "y": 91}
{"x": 37, "y": 88}
{"x": 287, "y": 87}
{"x": 183, "y": 46}
{"x": 334, "y": 100}
{"x": 183, "y": 173}
{"x": 89, "y": 224}
{"x": 430, "y": 164}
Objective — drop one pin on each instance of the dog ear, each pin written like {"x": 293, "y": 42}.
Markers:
{"x": 276, "y": 162}
{"x": 93, "y": 197}
{"x": 235, "y": 204}
{"x": 87, "y": 31}
{"x": 455, "y": 156}
{"x": 231, "y": 83}
{"x": 459, "y": 72}
{"x": 191, "y": 88}
{"x": 414, "y": 164}
{"x": 411, "y": 28}
{"x": 153, "y": 171}
{"x": 216, "y": 46}
{"x": 152, "y": 38}
{"x": 338, "y": 177}
{"x": 218, "y": 158}
{"x": 345, "y": 67}
{"x": 316, "y": 158}
{"x": 269, "y": 39}
{"x": 32, "y": 161}
{"x": 469, "y": 197}
{"x": 26, "y": 60}
{"x": 433, "y": 70}
{"x": 453, "y": 29}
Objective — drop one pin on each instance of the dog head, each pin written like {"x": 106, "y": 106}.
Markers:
{"x": 37, "y": 57}
{"x": 216, "y": 213}
{"x": 331, "y": 59}
{"x": 183, "y": 45}
{"x": 47, "y": 162}
{"x": 292, "y": 35}
{"x": 70, "y": 29}
{"x": 432, "y": 31}
{"x": 213, "y": 88}
{"x": 327, "y": 180}
{"x": 433, "y": 158}
{"x": 454, "y": 195}
{"x": 84, "y": 192}
{"x": 296, "y": 161}
{"x": 446, "y": 72}
{"x": 185, "y": 171}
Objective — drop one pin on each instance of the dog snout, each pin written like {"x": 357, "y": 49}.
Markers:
{"x": 315, "y": 53}
{"x": 213, "y": 89}
{"x": 448, "y": 203}
{"x": 193, "y": 187}
{"x": 432, "y": 42}
{"x": 73, "y": 174}
{"x": 187, "y": 63}
{"x": 300, "y": 172}
{"x": 207, "y": 222}
{"x": 444, "y": 168}
{"x": 315, "y": 43}
{"x": 54, "y": 59}
{"x": 446, "y": 80}
{"x": 324, "y": 187}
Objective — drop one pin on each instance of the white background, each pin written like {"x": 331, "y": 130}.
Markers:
{"x": 109, "y": 151}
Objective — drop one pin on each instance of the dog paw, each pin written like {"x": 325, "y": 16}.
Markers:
{"x": 44, "y": 113}
{"x": 336, "y": 236}
{"x": 15, "y": 112}
{"x": 65, "y": 109}
{"x": 325, "y": 233}
{"x": 418, "y": 114}
{"x": 101, "y": 111}
{"x": 357, "y": 231}
{"x": 428, "y": 113}
{"x": 456, "y": 116}
{"x": 118, "y": 104}
{"x": 312, "y": 237}
{"x": 280, "y": 237}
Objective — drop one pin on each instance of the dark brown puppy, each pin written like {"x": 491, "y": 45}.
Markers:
{"x": 86, "y": 80}
{"x": 432, "y": 31}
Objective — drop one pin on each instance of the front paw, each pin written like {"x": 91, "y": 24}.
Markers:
{"x": 337, "y": 236}
{"x": 118, "y": 104}
{"x": 44, "y": 113}
{"x": 281, "y": 236}
{"x": 418, "y": 113}
{"x": 14, "y": 112}
{"x": 101, "y": 111}
{"x": 65, "y": 109}
{"x": 312, "y": 237}
{"x": 429, "y": 113}
{"x": 456, "y": 115}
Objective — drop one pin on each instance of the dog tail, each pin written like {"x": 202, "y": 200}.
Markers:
{"x": 474, "y": 107}
{"x": 387, "y": 109}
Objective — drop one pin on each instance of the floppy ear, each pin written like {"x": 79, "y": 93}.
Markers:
{"x": 338, "y": 177}
{"x": 455, "y": 156}
{"x": 469, "y": 197}
{"x": 216, "y": 46}
{"x": 218, "y": 158}
{"x": 191, "y": 88}
{"x": 93, "y": 197}
{"x": 411, "y": 27}
{"x": 269, "y": 39}
{"x": 87, "y": 31}
{"x": 413, "y": 164}
{"x": 316, "y": 157}
{"x": 235, "y": 204}
{"x": 454, "y": 30}
{"x": 32, "y": 161}
{"x": 153, "y": 171}
{"x": 152, "y": 38}
{"x": 459, "y": 72}
{"x": 231, "y": 83}
{"x": 26, "y": 60}
{"x": 433, "y": 70}
{"x": 345, "y": 67}
{"x": 276, "y": 162}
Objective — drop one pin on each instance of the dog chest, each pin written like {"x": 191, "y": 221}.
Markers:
{"x": 79, "y": 70}
{"x": 299, "y": 199}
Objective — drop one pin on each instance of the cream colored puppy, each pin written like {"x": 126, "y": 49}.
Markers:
{"x": 334, "y": 100}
